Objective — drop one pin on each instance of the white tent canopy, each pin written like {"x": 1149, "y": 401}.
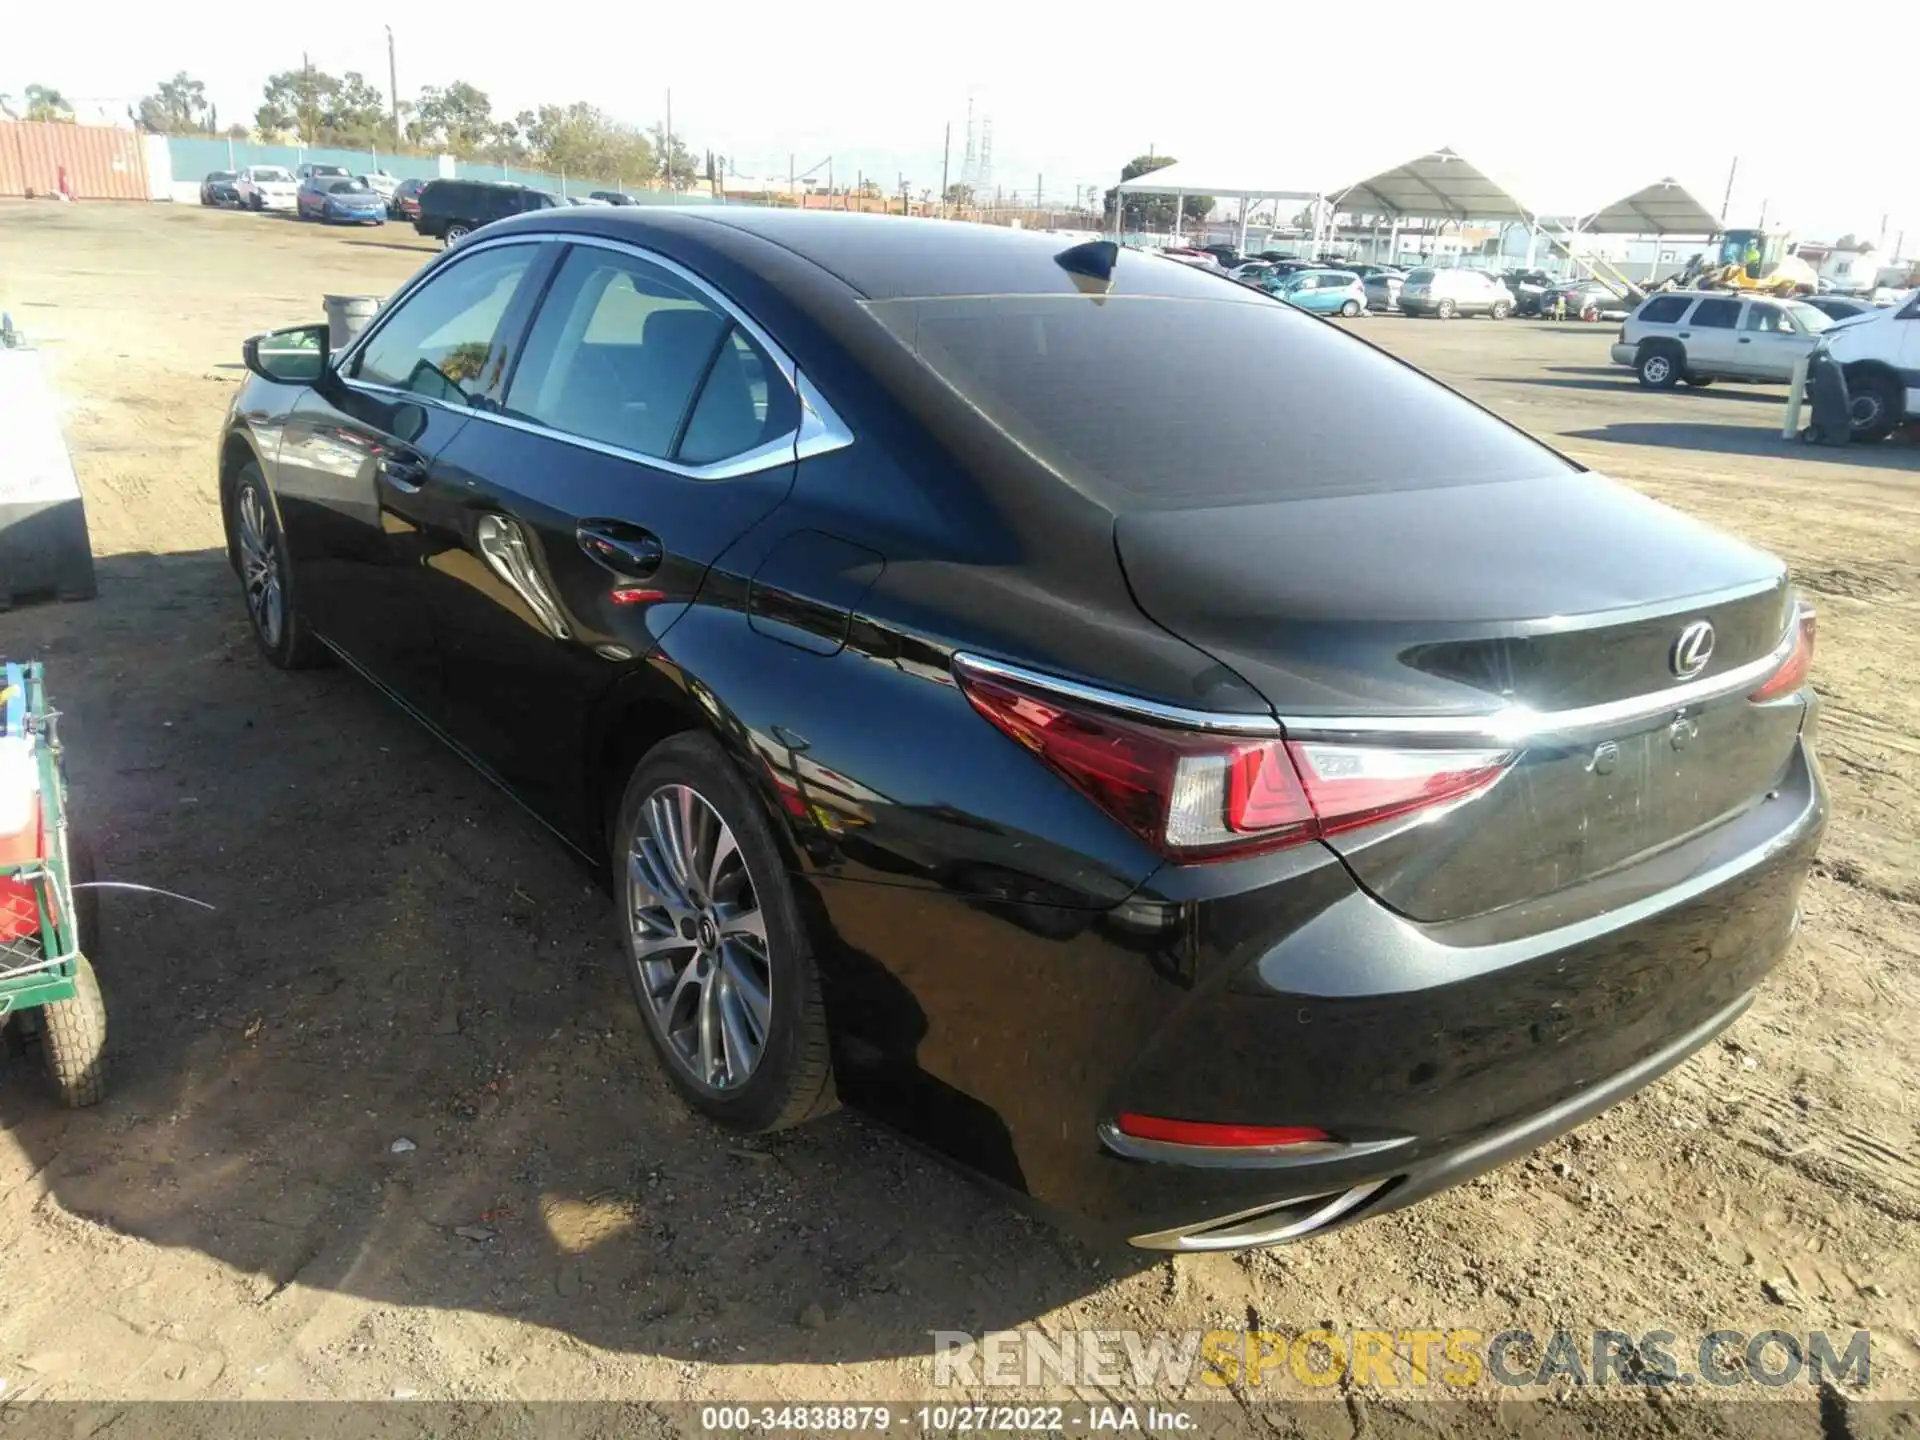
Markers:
{"x": 1665, "y": 207}
{"x": 1439, "y": 185}
{"x": 1181, "y": 178}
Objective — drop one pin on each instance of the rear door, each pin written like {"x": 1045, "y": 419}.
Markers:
{"x": 1710, "y": 334}
{"x": 355, "y": 478}
{"x": 646, "y": 426}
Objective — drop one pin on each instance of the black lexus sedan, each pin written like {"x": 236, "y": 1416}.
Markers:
{"x": 218, "y": 188}
{"x": 1152, "y": 745}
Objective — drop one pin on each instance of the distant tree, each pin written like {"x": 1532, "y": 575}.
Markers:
{"x": 674, "y": 162}
{"x": 960, "y": 196}
{"x": 295, "y": 101}
{"x": 355, "y": 112}
{"x": 1154, "y": 212}
{"x": 1850, "y": 241}
{"x": 177, "y": 107}
{"x": 238, "y": 132}
{"x": 458, "y": 117}
{"x": 46, "y": 103}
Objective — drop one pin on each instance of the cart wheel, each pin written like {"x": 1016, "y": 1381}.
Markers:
{"x": 73, "y": 1038}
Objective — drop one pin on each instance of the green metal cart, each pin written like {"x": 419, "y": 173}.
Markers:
{"x": 47, "y": 986}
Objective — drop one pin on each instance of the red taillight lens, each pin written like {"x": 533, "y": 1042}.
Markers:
{"x": 1205, "y": 1132}
{"x": 1197, "y": 795}
{"x": 1792, "y": 674}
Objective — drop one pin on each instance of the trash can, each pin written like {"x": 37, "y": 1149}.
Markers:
{"x": 347, "y": 316}
{"x": 1832, "y": 406}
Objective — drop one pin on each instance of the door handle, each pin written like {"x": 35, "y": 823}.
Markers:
{"x": 627, "y": 550}
{"x": 1746, "y": 339}
{"x": 1686, "y": 334}
{"x": 404, "y": 472}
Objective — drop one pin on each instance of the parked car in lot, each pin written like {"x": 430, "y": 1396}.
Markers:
{"x": 405, "y": 201}
{"x": 313, "y": 171}
{"x": 380, "y": 182}
{"x": 451, "y": 210}
{"x": 1383, "y": 289}
{"x": 1587, "y": 299}
{"x": 612, "y": 197}
{"x": 1220, "y": 841}
{"x": 1529, "y": 287}
{"x": 267, "y": 187}
{"x": 1880, "y": 355}
{"x": 219, "y": 188}
{"x": 330, "y": 198}
{"x": 1840, "y": 307}
{"x": 1325, "y": 292}
{"x": 1447, "y": 293}
{"x": 1698, "y": 337}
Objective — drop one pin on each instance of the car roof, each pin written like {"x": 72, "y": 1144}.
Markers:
{"x": 879, "y": 257}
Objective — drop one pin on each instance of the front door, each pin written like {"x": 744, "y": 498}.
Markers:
{"x": 1769, "y": 342}
{"x": 356, "y": 461}
{"x": 643, "y": 430}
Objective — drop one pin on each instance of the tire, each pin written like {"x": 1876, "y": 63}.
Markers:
{"x": 1444, "y": 309}
{"x": 676, "y": 937}
{"x": 73, "y": 1041}
{"x": 456, "y": 232}
{"x": 1696, "y": 382}
{"x": 267, "y": 584}
{"x": 1501, "y": 310}
{"x": 1873, "y": 403}
{"x": 1658, "y": 368}
{"x": 1350, "y": 309}
{"x": 255, "y": 203}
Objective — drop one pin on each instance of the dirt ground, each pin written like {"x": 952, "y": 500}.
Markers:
{"x": 397, "y": 953}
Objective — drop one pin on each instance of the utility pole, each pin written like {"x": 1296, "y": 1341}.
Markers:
{"x": 393, "y": 87}
{"x": 793, "y": 189}
{"x": 946, "y": 154}
{"x": 672, "y": 189}
{"x": 1726, "y": 201}
{"x": 1039, "y": 186}
{"x": 905, "y": 208}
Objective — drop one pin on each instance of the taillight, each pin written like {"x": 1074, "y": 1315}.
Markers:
{"x": 1792, "y": 673}
{"x": 1200, "y": 795}
{"x": 1211, "y": 1133}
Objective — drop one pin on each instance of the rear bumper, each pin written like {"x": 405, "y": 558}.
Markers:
{"x": 1627, "y": 355}
{"x": 1273, "y": 991}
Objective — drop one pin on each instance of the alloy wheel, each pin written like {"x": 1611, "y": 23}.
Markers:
{"x": 699, "y": 938}
{"x": 260, "y": 568}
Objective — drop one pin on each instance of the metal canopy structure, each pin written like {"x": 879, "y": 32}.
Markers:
{"x": 1665, "y": 207}
{"x": 1439, "y": 185}
{"x": 1181, "y": 178}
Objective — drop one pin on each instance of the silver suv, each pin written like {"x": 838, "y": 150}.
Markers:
{"x": 1448, "y": 293}
{"x": 1701, "y": 337}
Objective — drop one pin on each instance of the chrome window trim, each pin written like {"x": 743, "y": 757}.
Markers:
{"x": 1507, "y": 727}
{"x": 820, "y": 431}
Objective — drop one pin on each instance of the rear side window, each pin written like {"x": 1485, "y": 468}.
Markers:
{"x": 1716, "y": 314}
{"x": 1663, "y": 309}
{"x": 1183, "y": 402}
{"x": 1419, "y": 277}
{"x": 621, "y": 350}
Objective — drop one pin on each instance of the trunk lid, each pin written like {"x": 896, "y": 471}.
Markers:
{"x": 1428, "y": 607}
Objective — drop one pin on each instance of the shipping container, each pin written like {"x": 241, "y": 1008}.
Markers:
{"x": 102, "y": 162}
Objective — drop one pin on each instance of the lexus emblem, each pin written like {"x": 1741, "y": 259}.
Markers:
{"x": 1692, "y": 650}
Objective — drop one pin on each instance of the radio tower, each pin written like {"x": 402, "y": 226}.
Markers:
{"x": 984, "y": 180}
{"x": 970, "y": 166}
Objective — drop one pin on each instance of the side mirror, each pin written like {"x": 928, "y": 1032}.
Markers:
{"x": 297, "y": 355}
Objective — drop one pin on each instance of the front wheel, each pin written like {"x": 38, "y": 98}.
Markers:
{"x": 266, "y": 577}
{"x": 1658, "y": 370}
{"x": 1350, "y": 309}
{"x": 1501, "y": 310}
{"x": 715, "y": 946}
{"x": 1873, "y": 408}
{"x": 1444, "y": 309}
{"x": 456, "y": 233}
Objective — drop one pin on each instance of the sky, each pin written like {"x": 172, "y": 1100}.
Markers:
{"x": 1075, "y": 90}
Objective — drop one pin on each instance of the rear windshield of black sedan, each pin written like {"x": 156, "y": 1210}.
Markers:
{"x": 1186, "y": 402}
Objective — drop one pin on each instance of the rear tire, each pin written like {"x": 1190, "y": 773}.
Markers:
{"x": 1444, "y": 310}
{"x": 1501, "y": 310}
{"x": 1873, "y": 405}
{"x": 456, "y": 232}
{"x": 1350, "y": 309}
{"x": 730, "y": 926}
{"x": 73, "y": 1041}
{"x": 1658, "y": 369}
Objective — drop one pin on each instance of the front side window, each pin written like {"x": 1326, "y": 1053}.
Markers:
{"x": 1766, "y": 320}
{"x": 436, "y": 344}
{"x": 627, "y": 354}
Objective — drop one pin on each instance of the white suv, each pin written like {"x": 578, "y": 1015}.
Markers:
{"x": 1447, "y": 293}
{"x": 1880, "y": 355}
